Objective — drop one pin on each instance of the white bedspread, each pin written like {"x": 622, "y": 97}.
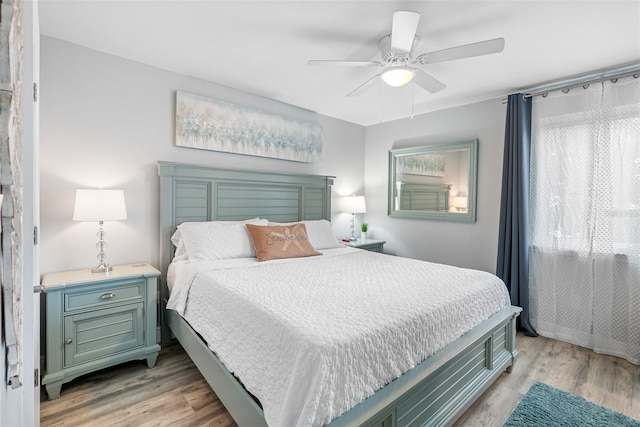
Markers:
{"x": 312, "y": 337}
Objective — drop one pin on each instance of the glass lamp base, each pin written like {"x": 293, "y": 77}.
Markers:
{"x": 353, "y": 228}
{"x": 102, "y": 268}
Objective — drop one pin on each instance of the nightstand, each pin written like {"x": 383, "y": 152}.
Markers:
{"x": 372, "y": 245}
{"x": 96, "y": 320}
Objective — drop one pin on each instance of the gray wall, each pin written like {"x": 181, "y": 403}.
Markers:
{"x": 106, "y": 121}
{"x": 467, "y": 245}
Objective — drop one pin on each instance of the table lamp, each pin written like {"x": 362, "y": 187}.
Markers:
{"x": 354, "y": 205}
{"x": 100, "y": 206}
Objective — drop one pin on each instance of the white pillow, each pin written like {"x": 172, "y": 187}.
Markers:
{"x": 176, "y": 238}
{"x": 215, "y": 239}
{"x": 319, "y": 232}
{"x": 181, "y": 251}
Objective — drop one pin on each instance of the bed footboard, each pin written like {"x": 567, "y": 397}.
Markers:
{"x": 435, "y": 393}
{"x": 439, "y": 390}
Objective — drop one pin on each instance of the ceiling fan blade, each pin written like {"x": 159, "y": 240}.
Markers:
{"x": 364, "y": 86}
{"x": 403, "y": 30}
{"x": 427, "y": 82}
{"x": 342, "y": 63}
{"x": 465, "y": 51}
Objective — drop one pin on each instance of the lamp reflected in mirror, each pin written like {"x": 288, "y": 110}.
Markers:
{"x": 460, "y": 203}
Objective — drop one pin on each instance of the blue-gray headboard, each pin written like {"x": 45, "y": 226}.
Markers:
{"x": 204, "y": 193}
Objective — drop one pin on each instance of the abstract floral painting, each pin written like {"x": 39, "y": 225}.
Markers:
{"x": 431, "y": 164}
{"x": 211, "y": 124}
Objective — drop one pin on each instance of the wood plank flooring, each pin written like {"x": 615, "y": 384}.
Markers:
{"x": 174, "y": 393}
{"x": 605, "y": 380}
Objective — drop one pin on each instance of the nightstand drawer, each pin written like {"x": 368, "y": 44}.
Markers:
{"x": 122, "y": 291}
{"x": 95, "y": 334}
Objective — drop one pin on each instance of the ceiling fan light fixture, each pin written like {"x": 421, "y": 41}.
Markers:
{"x": 397, "y": 76}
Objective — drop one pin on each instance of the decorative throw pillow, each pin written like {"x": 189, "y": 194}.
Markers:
{"x": 319, "y": 231}
{"x": 280, "y": 241}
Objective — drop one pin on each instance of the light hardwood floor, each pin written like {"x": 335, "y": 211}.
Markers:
{"x": 174, "y": 393}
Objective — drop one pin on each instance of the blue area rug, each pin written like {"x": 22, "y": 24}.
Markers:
{"x": 545, "y": 406}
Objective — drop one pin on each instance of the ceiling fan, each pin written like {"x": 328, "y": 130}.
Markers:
{"x": 399, "y": 66}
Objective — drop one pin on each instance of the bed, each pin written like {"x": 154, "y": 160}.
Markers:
{"x": 436, "y": 391}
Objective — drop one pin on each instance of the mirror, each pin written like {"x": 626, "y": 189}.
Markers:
{"x": 434, "y": 182}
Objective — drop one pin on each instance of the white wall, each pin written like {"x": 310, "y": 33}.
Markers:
{"x": 467, "y": 245}
{"x": 106, "y": 121}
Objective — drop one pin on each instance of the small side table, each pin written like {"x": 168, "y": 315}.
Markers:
{"x": 372, "y": 245}
{"x": 96, "y": 320}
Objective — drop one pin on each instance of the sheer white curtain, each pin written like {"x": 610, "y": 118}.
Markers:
{"x": 585, "y": 217}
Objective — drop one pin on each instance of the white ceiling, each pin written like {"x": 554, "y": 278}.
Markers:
{"x": 262, "y": 47}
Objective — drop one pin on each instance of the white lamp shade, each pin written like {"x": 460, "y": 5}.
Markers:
{"x": 460, "y": 202}
{"x": 354, "y": 204}
{"x": 99, "y": 205}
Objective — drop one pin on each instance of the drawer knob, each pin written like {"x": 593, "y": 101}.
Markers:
{"x": 68, "y": 341}
{"x": 108, "y": 295}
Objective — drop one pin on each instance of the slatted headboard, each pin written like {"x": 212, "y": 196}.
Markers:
{"x": 203, "y": 193}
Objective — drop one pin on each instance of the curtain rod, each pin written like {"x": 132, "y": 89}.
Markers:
{"x": 614, "y": 76}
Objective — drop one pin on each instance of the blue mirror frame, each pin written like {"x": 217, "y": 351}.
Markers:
{"x": 397, "y": 156}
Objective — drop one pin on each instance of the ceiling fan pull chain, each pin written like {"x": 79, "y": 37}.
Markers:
{"x": 413, "y": 98}
{"x": 382, "y": 103}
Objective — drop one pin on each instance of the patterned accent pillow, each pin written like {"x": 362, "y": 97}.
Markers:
{"x": 319, "y": 231}
{"x": 280, "y": 241}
